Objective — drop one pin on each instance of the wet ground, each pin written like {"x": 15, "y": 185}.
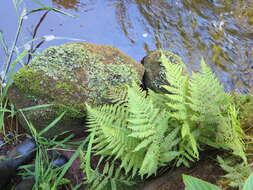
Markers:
{"x": 221, "y": 31}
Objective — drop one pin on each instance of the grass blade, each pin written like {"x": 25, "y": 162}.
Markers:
{"x": 52, "y": 124}
{"x": 44, "y": 7}
{"x": 36, "y": 107}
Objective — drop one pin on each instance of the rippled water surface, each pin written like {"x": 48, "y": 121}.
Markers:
{"x": 221, "y": 31}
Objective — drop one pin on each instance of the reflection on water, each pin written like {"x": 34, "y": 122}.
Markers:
{"x": 67, "y": 4}
{"x": 221, "y": 31}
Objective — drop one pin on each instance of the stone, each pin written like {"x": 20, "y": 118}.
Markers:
{"x": 26, "y": 184}
{"x": 70, "y": 76}
{"x": 19, "y": 155}
{"x": 154, "y": 76}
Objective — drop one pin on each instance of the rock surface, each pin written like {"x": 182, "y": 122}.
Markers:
{"x": 69, "y": 76}
{"x": 154, "y": 76}
{"x": 18, "y": 156}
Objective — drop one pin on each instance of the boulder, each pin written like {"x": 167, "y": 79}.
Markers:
{"x": 154, "y": 76}
{"x": 69, "y": 76}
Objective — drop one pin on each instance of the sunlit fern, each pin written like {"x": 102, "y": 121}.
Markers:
{"x": 237, "y": 172}
{"x": 106, "y": 175}
{"x": 135, "y": 131}
{"x": 204, "y": 109}
{"x": 148, "y": 130}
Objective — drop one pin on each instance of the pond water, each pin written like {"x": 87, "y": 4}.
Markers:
{"x": 220, "y": 31}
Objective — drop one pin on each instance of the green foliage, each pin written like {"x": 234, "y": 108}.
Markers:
{"x": 106, "y": 175}
{"x": 237, "y": 172}
{"x": 249, "y": 183}
{"x": 205, "y": 111}
{"x": 135, "y": 131}
{"x": 45, "y": 175}
{"x": 193, "y": 183}
{"x": 148, "y": 130}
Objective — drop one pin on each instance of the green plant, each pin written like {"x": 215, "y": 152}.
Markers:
{"x": 106, "y": 175}
{"x": 149, "y": 130}
{"x": 237, "y": 172}
{"x": 193, "y": 183}
{"x": 205, "y": 111}
{"x": 134, "y": 131}
{"x": 45, "y": 175}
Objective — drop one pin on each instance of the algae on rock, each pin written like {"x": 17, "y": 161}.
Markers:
{"x": 69, "y": 76}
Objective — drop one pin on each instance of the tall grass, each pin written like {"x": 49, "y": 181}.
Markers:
{"x": 13, "y": 57}
{"x": 45, "y": 175}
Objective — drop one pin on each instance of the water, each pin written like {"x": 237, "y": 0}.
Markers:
{"x": 220, "y": 31}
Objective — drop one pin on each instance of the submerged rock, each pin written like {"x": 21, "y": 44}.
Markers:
{"x": 69, "y": 76}
{"x": 154, "y": 76}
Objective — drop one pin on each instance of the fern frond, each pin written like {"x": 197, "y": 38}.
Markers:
{"x": 178, "y": 100}
{"x": 159, "y": 100}
{"x": 207, "y": 97}
{"x": 237, "y": 173}
{"x": 106, "y": 177}
{"x": 109, "y": 124}
{"x": 149, "y": 125}
{"x": 231, "y": 135}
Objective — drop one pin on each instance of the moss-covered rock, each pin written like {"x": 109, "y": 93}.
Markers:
{"x": 154, "y": 76}
{"x": 69, "y": 76}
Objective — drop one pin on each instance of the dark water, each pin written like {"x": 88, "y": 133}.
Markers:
{"x": 221, "y": 31}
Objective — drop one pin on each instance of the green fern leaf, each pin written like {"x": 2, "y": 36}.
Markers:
{"x": 178, "y": 100}
{"x": 207, "y": 97}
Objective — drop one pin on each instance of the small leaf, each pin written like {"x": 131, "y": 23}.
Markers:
{"x": 249, "y": 183}
{"x": 193, "y": 183}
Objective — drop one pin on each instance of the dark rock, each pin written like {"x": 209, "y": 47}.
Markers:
{"x": 6, "y": 172}
{"x": 154, "y": 76}
{"x": 59, "y": 161}
{"x": 21, "y": 154}
{"x": 26, "y": 184}
{"x": 69, "y": 76}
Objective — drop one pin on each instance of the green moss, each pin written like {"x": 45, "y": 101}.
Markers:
{"x": 71, "y": 75}
{"x": 104, "y": 77}
{"x": 43, "y": 90}
{"x": 57, "y": 61}
{"x": 29, "y": 81}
